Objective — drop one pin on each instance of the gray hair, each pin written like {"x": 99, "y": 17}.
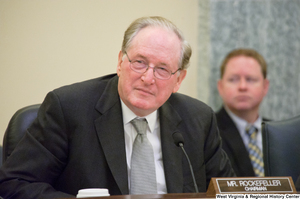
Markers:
{"x": 143, "y": 22}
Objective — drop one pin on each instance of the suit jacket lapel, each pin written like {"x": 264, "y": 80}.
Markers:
{"x": 235, "y": 143}
{"x": 172, "y": 155}
{"x": 110, "y": 130}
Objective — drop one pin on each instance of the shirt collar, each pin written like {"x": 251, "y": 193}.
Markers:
{"x": 241, "y": 123}
{"x": 128, "y": 115}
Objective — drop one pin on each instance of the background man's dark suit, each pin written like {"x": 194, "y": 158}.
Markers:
{"x": 78, "y": 142}
{"x": 233, "y": 145}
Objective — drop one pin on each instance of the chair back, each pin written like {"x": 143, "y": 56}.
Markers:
{"x": 281, "y": 147}
{"x": 17, "y": 127}
{"x": 1, "y": 155}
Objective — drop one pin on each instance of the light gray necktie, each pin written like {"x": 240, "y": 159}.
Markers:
{"x": 143, "y": 176}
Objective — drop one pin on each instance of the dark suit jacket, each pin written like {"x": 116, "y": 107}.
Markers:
{"x": 77, "y": 141}
{"x": 297, "y": 184}
{"x": 233, "y": 145}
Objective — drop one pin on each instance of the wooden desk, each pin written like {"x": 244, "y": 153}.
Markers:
{"x": 162, "y": 196}
{"x": 156, "y": 196}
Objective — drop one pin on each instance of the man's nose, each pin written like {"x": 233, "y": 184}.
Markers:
{"x": 243, "y": 84}
{"x": 148, "y": 75}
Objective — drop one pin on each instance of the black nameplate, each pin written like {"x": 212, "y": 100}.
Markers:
{"x": 251, "y": 185}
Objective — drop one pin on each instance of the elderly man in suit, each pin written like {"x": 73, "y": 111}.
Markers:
{"x": 84, "y": 135}
{"x": 242, "y": 86}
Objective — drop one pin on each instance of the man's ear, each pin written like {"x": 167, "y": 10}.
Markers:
{"x": 220, "y": 87}
{"x": 266, "y": 86}
{"x": 179, "y": 80}
{"x": 120, "y": 60}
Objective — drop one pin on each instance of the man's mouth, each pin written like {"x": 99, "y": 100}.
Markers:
{"x": 144, "y": 91}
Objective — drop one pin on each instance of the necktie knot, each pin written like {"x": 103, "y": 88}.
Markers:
{"x": 251, "y": 130}
{"x": 140, "y": 125}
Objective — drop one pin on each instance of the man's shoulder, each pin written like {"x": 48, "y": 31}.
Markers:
{"x": 187, "y": 103}
{"x": 91, "y": 85}
{"x": 88, "y": 91}
{"x": 89, "y": 82}
{"x": 224, "y": 120}
{"x": 266, "y": 119}
{"x": 221, "y": 113}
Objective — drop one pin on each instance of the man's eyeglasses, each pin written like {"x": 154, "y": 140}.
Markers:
{"x": 159, "y": 72}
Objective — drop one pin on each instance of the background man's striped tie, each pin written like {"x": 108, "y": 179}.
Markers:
{"x": 255, "y": 153}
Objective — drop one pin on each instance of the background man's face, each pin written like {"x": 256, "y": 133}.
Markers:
{"x": 243, "y": 86}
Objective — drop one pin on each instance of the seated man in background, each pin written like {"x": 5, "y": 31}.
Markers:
{"x": 242, "y": 86}
{"x": 89, "y": 134}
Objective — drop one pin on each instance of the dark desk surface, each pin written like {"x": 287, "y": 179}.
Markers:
{"x": 170, "y": 195}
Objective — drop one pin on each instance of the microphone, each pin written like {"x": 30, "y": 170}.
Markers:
{"x": 179, "y": 141}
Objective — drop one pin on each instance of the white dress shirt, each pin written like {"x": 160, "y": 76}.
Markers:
{"x": 153, "y": 135}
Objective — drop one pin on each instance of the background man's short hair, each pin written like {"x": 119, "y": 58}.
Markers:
{"x": 247, "y": 53}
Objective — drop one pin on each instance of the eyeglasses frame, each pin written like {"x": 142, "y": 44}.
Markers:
{"x": 170, "y": 72}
